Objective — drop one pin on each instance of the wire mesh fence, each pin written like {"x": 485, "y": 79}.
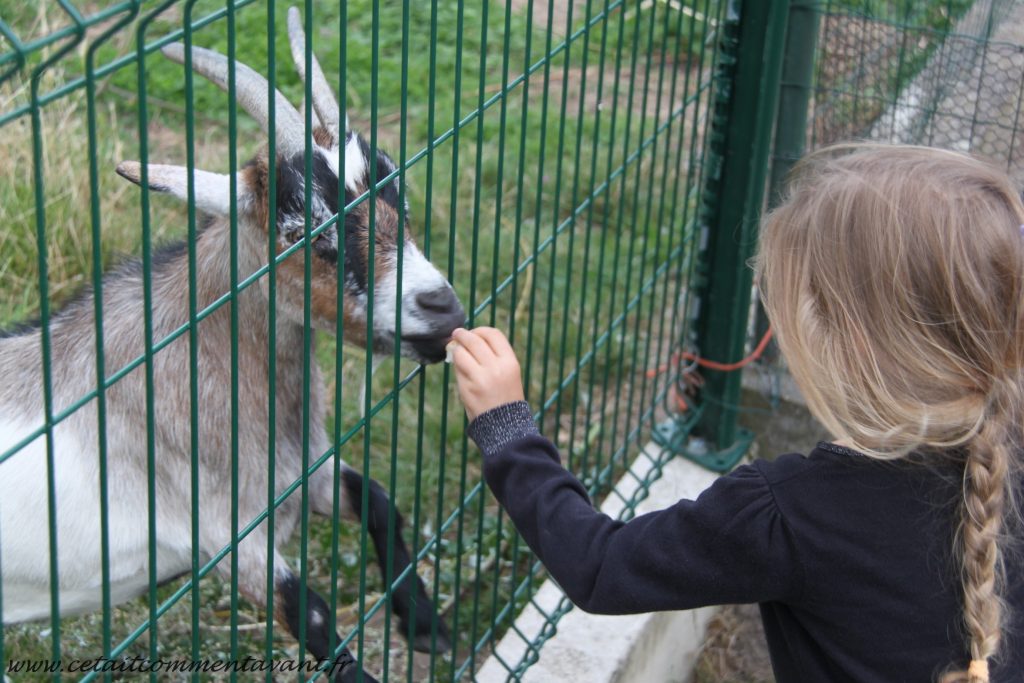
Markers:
{"x": 174, "y": 424}
{"x": 945, "y": 74}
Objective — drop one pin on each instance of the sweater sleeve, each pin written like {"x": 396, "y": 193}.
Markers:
{"x": 730, "y": 545}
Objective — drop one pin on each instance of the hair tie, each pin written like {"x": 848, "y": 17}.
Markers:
{"x": 978, "y": 668}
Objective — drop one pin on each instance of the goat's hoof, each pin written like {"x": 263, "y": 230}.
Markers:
{"x": 423, "y": 640}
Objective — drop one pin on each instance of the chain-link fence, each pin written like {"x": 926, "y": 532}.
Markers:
{"x": 945, "y": 74}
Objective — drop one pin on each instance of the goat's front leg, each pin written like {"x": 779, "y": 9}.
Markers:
{"x": 409, "y": 599}
{"x": 287, "y": 591}
{"x": 287, "y": 595}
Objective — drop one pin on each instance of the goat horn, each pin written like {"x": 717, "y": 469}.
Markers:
{"x": 323, "y": 97}
{"x": 250, "y": 92}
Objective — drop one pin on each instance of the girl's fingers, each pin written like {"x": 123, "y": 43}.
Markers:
{"x": 462, "y": 359}
{"x": 479, "y": 349}
{"x": 496, "y": 339}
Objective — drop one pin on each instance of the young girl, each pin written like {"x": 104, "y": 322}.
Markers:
{"x": 893, "y": 278}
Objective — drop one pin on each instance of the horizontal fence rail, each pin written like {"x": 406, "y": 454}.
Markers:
{"x": 188, "y": 378}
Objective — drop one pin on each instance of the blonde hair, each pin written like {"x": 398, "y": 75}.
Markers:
{"x": 894, "y": 277}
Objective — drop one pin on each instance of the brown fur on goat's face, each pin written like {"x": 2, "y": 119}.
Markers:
{"x": 428, "y": 307}
{"x": 414, "y": 311}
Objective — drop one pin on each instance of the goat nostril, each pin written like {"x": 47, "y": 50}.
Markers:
{"x": 442, "y": 300}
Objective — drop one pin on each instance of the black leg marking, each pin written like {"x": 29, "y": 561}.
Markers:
{"x": 409, "y": 599}
{"x": 345, "y": 668}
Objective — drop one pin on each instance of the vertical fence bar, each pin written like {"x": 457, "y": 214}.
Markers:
{"x": 495, "y": 574}
{"x": 753, "y": 40}
{"x": 193, "y": 331}
{"x": 478, "y": 174}
{"x": 456, "y": 116}
{"x": 233, "y": 353}
{"x": 38, "y": 171}
{"x": 603, "y": 248}
{"x": 427, "y": 215}
{"x": 595, "y": 147}
{"x": 272, "y": 325}
{"x": 538, "y": 204}
{"x": 555, "y": 213}
{"x": 18, "y": 63}
{"x": 637, "y": 225}
{"x": 564, "y": 344}
{"x": 589, "y": 217}
{"x": 307, "y": 336}
{"x": 520, "y": 177}
{"x": 147, "y": 309}
{"x": 619, "y": 224}
{"x": 897, "y": 88}
{"x": 516, "y": 244}
{"x": 97, "y": 285}
{"x": 396, "y": 377}
{"x": 371, "y": 279}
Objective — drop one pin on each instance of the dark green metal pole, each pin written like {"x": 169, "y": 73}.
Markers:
{"x": 791, "y": 124}
{"x": 747, "y": 95}
{"x": 794, "y": 93}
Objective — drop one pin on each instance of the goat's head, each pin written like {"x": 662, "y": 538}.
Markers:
{"x": 430, "y": 310}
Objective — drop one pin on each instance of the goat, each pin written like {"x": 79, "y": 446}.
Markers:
{"x": 429, "y": 311}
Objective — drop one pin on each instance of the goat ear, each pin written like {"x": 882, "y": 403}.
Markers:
{"x": 212, "y": 190}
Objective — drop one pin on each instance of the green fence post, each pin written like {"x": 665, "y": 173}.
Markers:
{"x": 791, "y": 123}
{"x": 794, "y": 93}
{"x": 748, "y": 88}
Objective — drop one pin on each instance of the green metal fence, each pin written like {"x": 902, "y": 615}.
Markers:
{"x": 566, "y": 165}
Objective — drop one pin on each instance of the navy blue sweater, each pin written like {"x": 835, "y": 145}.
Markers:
{"x": 849, "y": 557}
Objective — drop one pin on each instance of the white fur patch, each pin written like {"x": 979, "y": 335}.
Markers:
{"x": 418, "y": 276}
{"x": 24, "y": 527}
{"x": 357, "y": 167}
{"x": 356, "y": 164}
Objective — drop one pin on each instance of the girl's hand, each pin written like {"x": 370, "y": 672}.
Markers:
{"x": 486, "y": 369}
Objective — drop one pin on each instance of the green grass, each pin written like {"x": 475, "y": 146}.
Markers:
{"x": 462, "y": 220}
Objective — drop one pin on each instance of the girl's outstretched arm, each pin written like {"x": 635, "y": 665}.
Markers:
{"x": 731, "y": 545}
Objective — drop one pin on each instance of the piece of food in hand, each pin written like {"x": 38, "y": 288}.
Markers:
{"x": 450, "y": 351}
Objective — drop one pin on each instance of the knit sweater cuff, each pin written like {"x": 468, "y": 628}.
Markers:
{"x": 500, "y": 426}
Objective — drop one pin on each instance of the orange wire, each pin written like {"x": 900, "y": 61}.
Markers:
{"x": 715, "y": 365}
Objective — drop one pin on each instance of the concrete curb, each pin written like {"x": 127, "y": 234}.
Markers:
{"x": 659, "y": 646}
